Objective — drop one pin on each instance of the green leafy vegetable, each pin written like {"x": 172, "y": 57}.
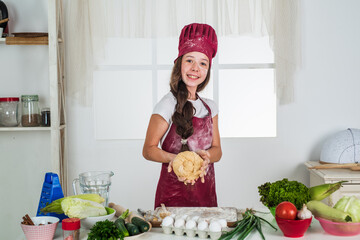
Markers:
{"x": 105, "y": 230}
{"x": 271, "y": 194}
{"x": 81, "y": 208}
{"x": 350, "y": 205}
{"x": 245, "y": 226}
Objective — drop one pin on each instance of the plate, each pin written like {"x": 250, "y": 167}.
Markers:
{"x": 136, "y": 236}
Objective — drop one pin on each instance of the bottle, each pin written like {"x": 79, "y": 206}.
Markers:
{"x": 30, "y": 111}
{"x": 9, "y": 109}
{"x": 45, "y": 117}
{"x": 71, "y": 228}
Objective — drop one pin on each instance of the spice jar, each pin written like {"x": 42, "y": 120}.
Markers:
{"x": 9, "y": 108}
{"x": 30, "y": 111}
{"x": 45, "y": 117}
{"x": 71, "y": 228}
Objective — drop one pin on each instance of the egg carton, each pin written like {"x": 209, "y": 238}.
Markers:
{"x": 193, "y": 232}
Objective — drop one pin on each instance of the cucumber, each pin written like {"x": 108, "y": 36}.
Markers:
{"x": 141, "y": 224}
{"x": 133, "y": 229}
{"x": 320, "y": 209}
{"x": 120, "y": 224}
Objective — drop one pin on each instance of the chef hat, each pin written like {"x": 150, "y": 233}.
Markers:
{"x": 197, "y": 37}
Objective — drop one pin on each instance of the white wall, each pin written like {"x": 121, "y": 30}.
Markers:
{"x": 326, "y": 101}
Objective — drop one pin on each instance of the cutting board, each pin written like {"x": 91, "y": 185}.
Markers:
{"x": 207, "y": 213}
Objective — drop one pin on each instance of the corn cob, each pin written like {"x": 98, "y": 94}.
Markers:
{"x": 55, "y": 206}
{"x": 322, "y": 191}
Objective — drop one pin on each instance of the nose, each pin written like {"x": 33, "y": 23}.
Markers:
{"x": 195, "y": 67}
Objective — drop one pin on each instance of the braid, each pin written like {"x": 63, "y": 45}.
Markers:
{"x": 184, "y": 110}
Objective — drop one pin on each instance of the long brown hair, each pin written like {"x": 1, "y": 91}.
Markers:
{"x": 184, "y": 110}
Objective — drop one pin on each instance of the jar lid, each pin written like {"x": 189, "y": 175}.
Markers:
{"x": 9, "y": 99}
{"x": 70, "y": 224}
{"x": 29, "y": 98}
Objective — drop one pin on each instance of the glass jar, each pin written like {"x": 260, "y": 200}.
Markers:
{"x": 45, "y": 117}
{"x": 30, "y": 111}
{"x": 71, "y": 228}
{"x": 9, "y": 109}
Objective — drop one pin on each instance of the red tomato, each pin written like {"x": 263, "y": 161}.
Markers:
{"x": 286, "y": 210}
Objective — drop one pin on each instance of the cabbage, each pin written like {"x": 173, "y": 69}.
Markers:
{"x": 80, "y": 208}
{"x": 350, "y": 205}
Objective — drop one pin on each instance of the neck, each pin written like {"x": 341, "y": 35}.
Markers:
{"x": 192, "y": 93}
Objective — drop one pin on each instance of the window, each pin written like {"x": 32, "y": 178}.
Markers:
{"x": 135, "y": 74}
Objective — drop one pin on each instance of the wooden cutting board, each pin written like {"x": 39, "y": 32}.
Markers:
{"x": 208, "y": 213}
{"x": 27, "y": 40}
{"x": 351, "y": 166}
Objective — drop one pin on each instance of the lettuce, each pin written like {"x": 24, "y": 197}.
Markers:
{"x": 80, "y": 208}
{"x": 350, "y": 205}
{"x": 271, "y": 194}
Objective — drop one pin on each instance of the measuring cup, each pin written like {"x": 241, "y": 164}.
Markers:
{"x": 94, "y": 182}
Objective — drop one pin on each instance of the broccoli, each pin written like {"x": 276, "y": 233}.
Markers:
{"x": 284, "y": 190}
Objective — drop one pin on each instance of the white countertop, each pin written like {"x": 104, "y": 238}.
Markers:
{"x": 315, "y": 232}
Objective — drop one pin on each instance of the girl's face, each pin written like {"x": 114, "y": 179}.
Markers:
{"x": 194, "y": 69}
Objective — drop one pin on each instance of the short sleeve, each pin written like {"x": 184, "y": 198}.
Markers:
{"x": 213, "y": 106}
{"x": 166, "y": 107}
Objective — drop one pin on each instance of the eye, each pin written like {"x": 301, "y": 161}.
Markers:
{"x": 189, "y": 60}
{"x": 203, "y": 64}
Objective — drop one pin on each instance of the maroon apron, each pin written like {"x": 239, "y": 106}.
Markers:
{"x": 173, "y": 193}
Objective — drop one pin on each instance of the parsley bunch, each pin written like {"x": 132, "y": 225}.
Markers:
{"x": 284, "y": 190}
{"x": 105, "y": 230}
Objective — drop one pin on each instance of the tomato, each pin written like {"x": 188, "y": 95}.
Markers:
{"x": 286, "y": 210}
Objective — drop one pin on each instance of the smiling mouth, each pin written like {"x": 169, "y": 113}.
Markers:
{"x": 192, "y": 77}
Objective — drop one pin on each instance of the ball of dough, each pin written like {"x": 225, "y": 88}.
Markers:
{"x": 187, "y": 165}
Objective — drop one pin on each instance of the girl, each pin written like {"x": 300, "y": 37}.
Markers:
{"x": 182, "y": 121}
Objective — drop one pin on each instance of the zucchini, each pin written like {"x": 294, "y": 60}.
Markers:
{"x": 320, "y": 209}
{"x": 133, "y": 229}
{"x": 141, "y": 224}
{"x": 120, "y": 224}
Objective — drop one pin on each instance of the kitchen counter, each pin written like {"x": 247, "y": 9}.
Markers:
{"x": 315, "y": 232}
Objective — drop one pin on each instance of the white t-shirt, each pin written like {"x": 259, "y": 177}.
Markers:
{"x": 166, "y": 108}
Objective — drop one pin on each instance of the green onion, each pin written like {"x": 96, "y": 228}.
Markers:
{"x": 245, "y": 226}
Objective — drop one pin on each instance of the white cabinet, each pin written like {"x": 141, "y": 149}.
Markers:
{"x": 56, "y": 96}
{"x": 321, "y": 176}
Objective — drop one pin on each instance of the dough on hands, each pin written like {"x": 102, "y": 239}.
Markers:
{"x": 187, "y": 165}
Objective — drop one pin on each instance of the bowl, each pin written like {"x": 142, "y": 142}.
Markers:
{"x": 293, "y": 228}
{"x": 339, "y": 228}
{"x": 41, "y": 232}
{"x": 89, "y": 222}
{"x": 272, "y": 210}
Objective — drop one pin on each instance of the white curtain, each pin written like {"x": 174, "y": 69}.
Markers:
{"x": 90, "y": 22}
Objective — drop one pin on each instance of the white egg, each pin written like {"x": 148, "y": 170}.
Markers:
{"x": 223, "y": 223}
{"x": 184, "y": 217}
{"x": 215, "y": 227}
{"x": 168, "y": 221}
{"x": 191, "y": 224}
{"x": 179, "y": 223}
{"x": 203, "y": 225}
{"x": 195, "y": 218}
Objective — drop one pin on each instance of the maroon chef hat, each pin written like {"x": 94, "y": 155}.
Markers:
{"x": 197, "y": 37}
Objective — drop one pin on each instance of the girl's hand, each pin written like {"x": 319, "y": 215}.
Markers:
{"x": 205, "y": 166}
{"x": 170, "y": 165}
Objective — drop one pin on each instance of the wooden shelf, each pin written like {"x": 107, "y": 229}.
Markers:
{"x": 23, "y": 129}
{"x": 3, "y": 41}
{"x": 27, "y": 41}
